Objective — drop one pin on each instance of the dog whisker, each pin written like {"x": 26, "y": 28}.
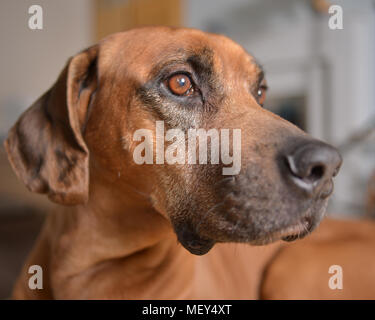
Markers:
{"x": 208, "y": 212}
{"x": 231, "y": 178}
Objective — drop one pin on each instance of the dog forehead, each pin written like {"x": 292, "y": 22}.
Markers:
{"x": 141, "y": 51}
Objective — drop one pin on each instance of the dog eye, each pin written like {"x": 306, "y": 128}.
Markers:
{"x": 180, "y": 84}
{"x": 261, "y": 94}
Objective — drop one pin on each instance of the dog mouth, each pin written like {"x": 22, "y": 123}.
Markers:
{"x": 290, "y": 233}
{"x": 199, "y": 245}
{"x": 297, "y": 231}
{"x": 260, "y": 219}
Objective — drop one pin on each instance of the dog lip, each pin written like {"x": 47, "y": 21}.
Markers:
{"x": 297, "y": 231}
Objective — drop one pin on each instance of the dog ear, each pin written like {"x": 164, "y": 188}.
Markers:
{"x": 45, "y": 147}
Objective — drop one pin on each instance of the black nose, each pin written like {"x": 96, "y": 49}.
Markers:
{"x": 312, "y": 165}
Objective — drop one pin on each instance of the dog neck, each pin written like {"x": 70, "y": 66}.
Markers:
{"x": 118, "y": 233}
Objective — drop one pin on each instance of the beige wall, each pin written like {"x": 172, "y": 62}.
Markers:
{"x": 31, "y": 59}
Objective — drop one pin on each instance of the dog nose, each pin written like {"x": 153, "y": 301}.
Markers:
{"x": 312, "y": 165}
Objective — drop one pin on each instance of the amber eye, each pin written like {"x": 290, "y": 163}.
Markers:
{"x": 180, "y": 84}
{"x": 261, "y": 95}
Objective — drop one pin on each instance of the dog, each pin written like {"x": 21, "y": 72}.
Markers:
{"x": 179, "y": 231}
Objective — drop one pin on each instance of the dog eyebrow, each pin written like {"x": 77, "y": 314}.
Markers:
{"x": 259, "y": 76}
{"x": 260, "y": 73}
{"x": 200, "y": 62}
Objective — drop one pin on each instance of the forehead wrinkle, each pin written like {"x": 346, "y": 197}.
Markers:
{"x": 201, "y": 58}
{"x": 158, "y": 67}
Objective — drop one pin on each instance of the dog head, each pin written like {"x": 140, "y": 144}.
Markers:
{"x": 108, "y": 105}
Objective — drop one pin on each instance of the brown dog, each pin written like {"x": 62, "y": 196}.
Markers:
{"x": 117, "y": 235}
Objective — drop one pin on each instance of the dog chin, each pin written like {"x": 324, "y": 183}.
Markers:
{"x": 199, "y": 248}
{"x": 192, "y": 241}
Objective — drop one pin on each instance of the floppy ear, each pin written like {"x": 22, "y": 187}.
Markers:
{"x": 45, "y": 147}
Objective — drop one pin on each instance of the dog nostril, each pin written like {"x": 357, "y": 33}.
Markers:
{"x": 316, "y": 173}
{"x": 309, "y": 174}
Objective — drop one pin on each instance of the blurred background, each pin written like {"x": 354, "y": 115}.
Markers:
{"x": 323, "y": 80}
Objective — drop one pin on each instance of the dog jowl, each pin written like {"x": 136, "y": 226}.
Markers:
{"x": 84, "y": 127}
